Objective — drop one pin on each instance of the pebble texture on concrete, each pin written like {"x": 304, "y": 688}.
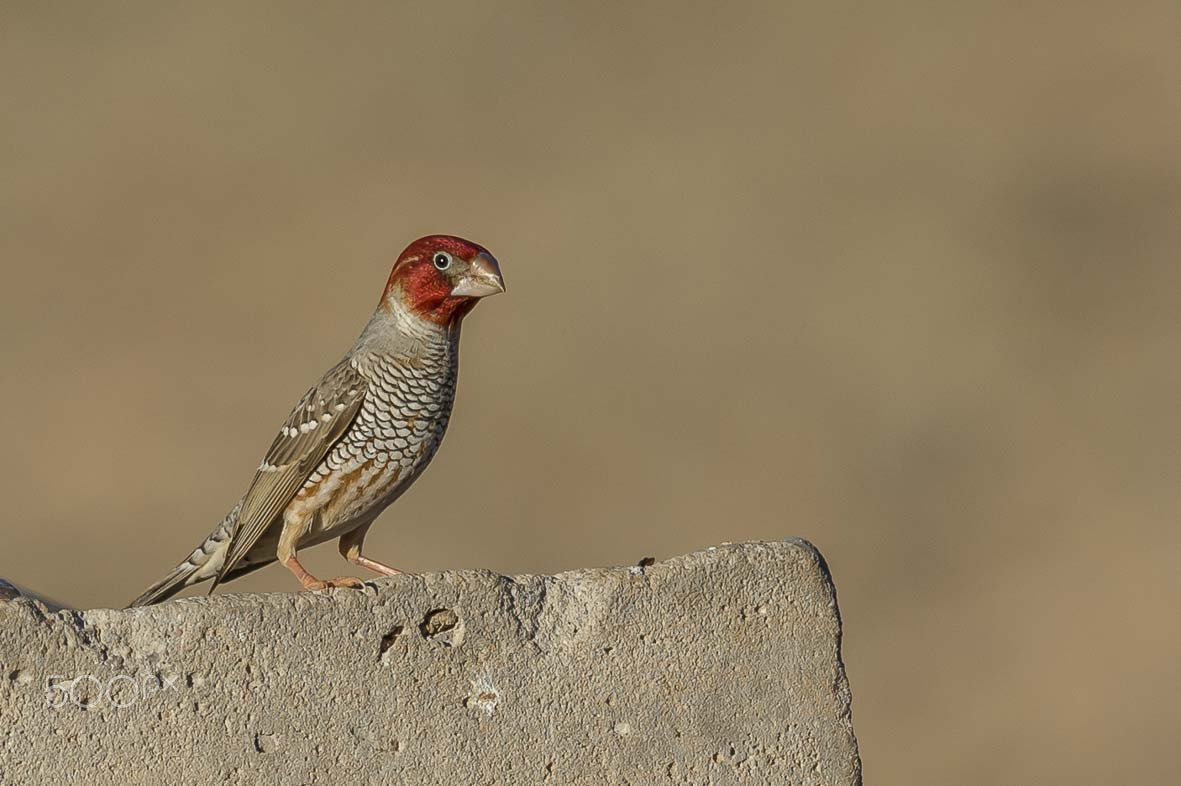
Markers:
{"x": 721, "y": 667}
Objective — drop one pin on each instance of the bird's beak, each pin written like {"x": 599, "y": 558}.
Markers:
{"x": 483, "y": 278}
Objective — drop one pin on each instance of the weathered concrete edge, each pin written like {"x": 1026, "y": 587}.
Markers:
{"x": 83, "y": 619}
{"x": 10, "y": 591}
{"x": 842, "y": 687}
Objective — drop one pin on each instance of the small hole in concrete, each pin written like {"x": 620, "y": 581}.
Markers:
{"x": 265, "y": 742}
{"x": 438, "y": 621}
{"x": 388, "y": 639}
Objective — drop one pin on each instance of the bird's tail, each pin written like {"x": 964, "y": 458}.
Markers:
{"x": 203, "y": 564}
{"x": 176, "y": 580}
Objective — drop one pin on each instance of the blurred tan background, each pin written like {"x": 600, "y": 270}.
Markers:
{"x": 903, "y": 280}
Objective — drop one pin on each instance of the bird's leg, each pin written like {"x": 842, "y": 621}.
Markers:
{"x": 310, "y": 582}
{"x": 350, "y": 549}
{"x": 286, "y": 554}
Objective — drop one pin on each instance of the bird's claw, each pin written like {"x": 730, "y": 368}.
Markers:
{"x": 351, "y": 582}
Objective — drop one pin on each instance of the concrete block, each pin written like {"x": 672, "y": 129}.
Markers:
{"x": 720, "y": 667}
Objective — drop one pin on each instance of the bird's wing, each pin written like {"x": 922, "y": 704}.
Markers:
{"x": 320, "y": 418}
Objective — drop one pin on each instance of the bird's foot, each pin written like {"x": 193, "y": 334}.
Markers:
{"x": 352, "y": 582}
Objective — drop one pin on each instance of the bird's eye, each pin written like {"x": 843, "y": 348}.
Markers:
{"x": 442, "y": 260}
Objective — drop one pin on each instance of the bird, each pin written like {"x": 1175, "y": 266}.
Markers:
{"x": 360, "y": 436}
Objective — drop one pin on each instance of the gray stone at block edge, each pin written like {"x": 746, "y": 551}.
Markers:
{"x": 10, "y": 591}
{"x": 719, "y": 667}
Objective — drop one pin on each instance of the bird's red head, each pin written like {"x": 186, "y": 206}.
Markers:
{"x": 441, "y": 277}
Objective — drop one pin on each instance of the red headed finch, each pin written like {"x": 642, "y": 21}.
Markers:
{"x": 357, "y": 440}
